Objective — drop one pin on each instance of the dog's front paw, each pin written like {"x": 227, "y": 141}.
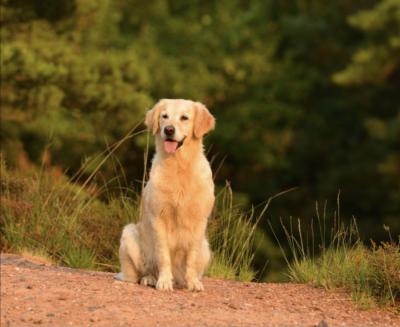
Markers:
{"x": 148, "y": 281}
{"x": 195, "y": 285}
{"x": 164, "y": 284}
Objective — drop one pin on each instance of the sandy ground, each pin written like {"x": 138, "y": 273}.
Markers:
{"x": 34, "y": 293}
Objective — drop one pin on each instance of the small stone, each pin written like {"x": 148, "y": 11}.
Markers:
{"x": 322, "y": 323}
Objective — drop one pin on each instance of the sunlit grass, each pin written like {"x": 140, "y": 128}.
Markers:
{"x": 336, "y": 258}
{"x": 49, "y": 214}
{"x": 232, "y": 235}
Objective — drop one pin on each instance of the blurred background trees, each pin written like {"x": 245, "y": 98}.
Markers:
{"x": 306, "y": 93}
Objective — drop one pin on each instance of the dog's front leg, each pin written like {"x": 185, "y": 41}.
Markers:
{"x": 164, "y": 281}
{"x": 192, "y": 274}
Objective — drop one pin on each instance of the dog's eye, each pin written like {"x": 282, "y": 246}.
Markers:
{"x": 164, "y": 116}
{"x": 184, "y": 117}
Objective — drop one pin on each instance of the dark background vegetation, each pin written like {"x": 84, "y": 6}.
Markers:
{"x": 306, "y": 94}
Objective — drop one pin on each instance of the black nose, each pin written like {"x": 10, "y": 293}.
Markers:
{"x": 169, "y": 130}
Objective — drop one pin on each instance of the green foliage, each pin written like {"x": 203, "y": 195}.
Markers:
{"x": 375, "y": 67}
{"x": 378, "y": 59}
{"x": 55, "y": 91}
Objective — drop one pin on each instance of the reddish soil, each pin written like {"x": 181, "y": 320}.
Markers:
{"x": 34, "y": 293}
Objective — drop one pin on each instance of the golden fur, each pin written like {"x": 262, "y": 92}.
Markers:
{"x": 168, "y": 247}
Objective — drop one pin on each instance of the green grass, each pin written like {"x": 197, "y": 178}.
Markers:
{"x": 232, "y": 234}
{"x": 79, "y": 224}
{"x": 45, "y": 212}
{"x": 370, "y": 274}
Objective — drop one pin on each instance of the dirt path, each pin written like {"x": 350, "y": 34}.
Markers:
{"x": 33, "y": 293}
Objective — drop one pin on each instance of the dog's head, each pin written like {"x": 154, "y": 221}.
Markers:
{"x": 178, "y": 121}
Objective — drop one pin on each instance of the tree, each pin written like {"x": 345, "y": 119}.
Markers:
{"x": 374, "y": 71}
{"x": 57, "y": 92}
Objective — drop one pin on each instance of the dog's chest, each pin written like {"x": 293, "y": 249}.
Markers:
{"x": 182, "y": 197}
{"x": 180, "y": 192}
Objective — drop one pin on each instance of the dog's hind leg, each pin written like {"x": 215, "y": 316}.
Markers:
{"x": 129, "y": 255}
{"x": 203, "y": 259}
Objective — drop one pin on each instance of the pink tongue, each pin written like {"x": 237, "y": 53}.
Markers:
{"x": 170, "y": 146}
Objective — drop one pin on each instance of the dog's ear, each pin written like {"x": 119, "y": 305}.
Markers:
{"x": 203, "y": 121}
{"x": 152, "y": 120}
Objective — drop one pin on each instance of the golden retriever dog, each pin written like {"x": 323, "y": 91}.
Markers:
{"x": 168, "y": 246}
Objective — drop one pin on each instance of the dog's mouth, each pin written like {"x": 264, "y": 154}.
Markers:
{"x": 171, "y": 146}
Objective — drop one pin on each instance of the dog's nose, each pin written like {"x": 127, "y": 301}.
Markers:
{"x": 169, "y": 130}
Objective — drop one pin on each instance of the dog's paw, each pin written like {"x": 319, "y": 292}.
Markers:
{"x": 195, "y": 285}
{"x": 148, "y": 281}
{"x": 164, "y": 284}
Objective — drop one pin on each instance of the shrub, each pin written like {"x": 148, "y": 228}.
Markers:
{"x": 370, "y": 274}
